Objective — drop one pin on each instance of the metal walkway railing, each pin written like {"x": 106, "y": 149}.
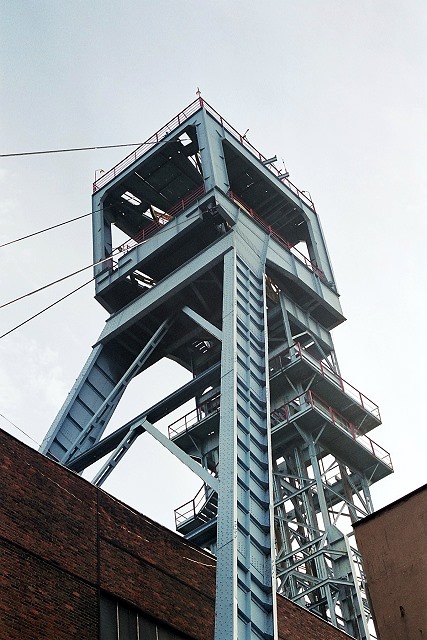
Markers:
{"x": 293, "y": 408}
{"x": 286, "y": 413}
{"x": 179, "y": 119}
{"x": 274, "y": 234}
{"x": 164, "y": 218}
{"x": 296, "y": 351}
{"x": 203, "y": 506}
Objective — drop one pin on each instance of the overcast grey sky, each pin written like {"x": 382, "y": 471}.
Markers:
{"x": 335, "y": 87}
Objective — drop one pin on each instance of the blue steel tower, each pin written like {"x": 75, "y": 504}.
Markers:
{"x": 225, "y": 271}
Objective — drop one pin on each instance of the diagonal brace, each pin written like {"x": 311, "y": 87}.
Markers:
{"x": 130, "y": 438}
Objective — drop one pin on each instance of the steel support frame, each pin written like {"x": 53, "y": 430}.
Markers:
{"x": 308, "y": 542}
{"x": 311, "y": 549}
{"x": 112, "y": 442}
{"x": 145, "y": 426}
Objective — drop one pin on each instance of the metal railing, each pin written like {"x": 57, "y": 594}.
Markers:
{"x": 274, "y": 234}
{"x": 157, "y": 137}
{"x": 283, "y": 359}
{"x": 181, "y": 117}
{"x": 193, "y": 507}
{"x": 186, "y": 422}
{"x": 309, "y": 399}
{"x": 284, "y": 414}
{"x": 302, "y": 195}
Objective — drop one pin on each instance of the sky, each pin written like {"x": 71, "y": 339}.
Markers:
{"x": 335, "y": 88}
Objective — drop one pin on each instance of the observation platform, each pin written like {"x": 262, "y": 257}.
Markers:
{"x": 300, "y": 366}
{"x": 336, "y": 434}
{"x": 196, "y": 519}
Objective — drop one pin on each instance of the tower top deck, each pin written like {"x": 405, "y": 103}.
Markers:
{"x": 199, "y": 162}
{"x": 176, "y": 123}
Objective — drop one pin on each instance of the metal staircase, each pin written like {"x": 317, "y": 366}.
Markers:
{"x": 193, "y": 516}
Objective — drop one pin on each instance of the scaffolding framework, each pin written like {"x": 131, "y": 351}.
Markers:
{"x": 226, "y": 272}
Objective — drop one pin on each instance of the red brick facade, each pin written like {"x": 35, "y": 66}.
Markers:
{"x": 62, "y": 541}
{"x": 393, "y": 544}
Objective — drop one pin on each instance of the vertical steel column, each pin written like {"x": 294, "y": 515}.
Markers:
{"x": 285, "y": 318}
{"x": 367, "y": 494}
{"x": 245, "y": 593}
{"x": 210, "y": 135}
{"x": 101, "y": 233}
{"x": 323, "y": 573}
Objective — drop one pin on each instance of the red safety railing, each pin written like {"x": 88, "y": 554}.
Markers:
{"x": 164, "y": 218}
{"x": 302, "y": 195}
{"x": 274, "y": 234}
{"x": 339, "y": 420}
{"x": 283, "y": 359}
{"x": 182, "y": 204}
{"x": 302, "y": 402}
{"x": 181, "y": 117}
{"x": 148, "y": 144}
{"x": 284, "y": 414}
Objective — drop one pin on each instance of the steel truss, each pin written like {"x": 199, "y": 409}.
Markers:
{"x": 226, "y": 272}
{"x": 314, "y": 565}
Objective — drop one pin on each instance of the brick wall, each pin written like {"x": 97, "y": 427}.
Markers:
{"x": 62, "y": 540}
{"x": 393, "y": 544}
{"x": 48, "y": 548}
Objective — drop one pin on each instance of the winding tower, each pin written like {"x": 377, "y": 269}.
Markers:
{"x": 225, "y": 271}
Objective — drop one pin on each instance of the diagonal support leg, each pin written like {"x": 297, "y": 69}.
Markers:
{"x": 100, "y": 419}
{"x": 117, "y": 455}
{"x": 202, "y": 322}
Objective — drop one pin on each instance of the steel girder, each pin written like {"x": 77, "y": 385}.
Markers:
{"x": 245, "y": 606}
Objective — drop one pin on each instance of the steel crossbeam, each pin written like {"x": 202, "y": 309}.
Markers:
{"x": 129, "y": 439}
{"x": 153, "y": 414}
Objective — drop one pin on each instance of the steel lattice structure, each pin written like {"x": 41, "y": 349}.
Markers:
{"x": 226, "y": 272}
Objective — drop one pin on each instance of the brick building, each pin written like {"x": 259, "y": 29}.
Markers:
{"x": 393, "y": 545}
{"x": 75, "y": 563}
